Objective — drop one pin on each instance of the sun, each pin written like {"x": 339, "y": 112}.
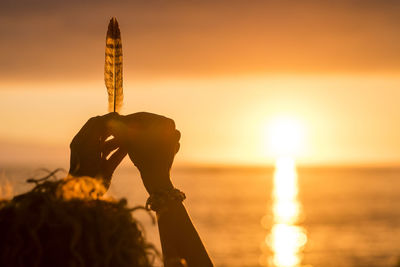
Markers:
{"x": 285, "y": 136}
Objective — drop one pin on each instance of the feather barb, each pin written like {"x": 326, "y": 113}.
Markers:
{"x": 113, "y": 67}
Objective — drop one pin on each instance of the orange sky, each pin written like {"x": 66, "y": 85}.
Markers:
{"x": 63, "y": 40}
{"x": 221, "y": 69}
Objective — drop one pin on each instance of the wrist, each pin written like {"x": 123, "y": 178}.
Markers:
{"x": 156, "y": 181}
{"x": 163, "y": 200}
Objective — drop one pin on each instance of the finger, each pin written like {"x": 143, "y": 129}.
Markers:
{"x": 147, "y": 120}
{"x": 170, "y": 123}
{"x": 177, "y": 135}
{"x": 83, "y": 132}
{"x": 106, "y": 124}
{"x": 100, "y": 125}
{"x": 116, "y": 159}
{"x": 94, "y": 130}
{"x": 90, "y": 125}
{"x": 178, "y": 146}
{"x": 112, "y": 115}
{"x": 116, "y": 126}
{"x": 165, "y": 128}
{"x": 109, "y": 146}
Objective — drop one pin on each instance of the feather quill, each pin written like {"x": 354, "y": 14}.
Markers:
{"x": 113, "y": 67}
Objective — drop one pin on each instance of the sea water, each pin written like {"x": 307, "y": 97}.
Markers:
{"x": 342, "y": 216}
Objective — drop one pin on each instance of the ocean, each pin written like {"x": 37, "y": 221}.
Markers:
{"x": 321, "y": 217}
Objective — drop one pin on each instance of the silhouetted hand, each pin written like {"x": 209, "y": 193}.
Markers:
{"x": 90, "y": 150}
{"x": 152, "y": 142}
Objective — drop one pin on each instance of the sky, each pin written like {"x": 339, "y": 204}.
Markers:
{"x": 221, "y": 69}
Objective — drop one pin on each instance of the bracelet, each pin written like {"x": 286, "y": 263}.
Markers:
{"x": 157, "y": 201}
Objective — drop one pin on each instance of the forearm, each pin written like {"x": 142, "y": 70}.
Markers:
{"x": 179, "y": 238}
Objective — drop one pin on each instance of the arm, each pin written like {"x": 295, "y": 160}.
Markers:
{"x": 153, "y": 143}
{"x": 179, "y": 238}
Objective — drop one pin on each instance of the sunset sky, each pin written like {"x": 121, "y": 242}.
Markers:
{"x": 223, "y": 70}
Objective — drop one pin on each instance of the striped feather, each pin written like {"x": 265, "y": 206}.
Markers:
{"x": 113, "y": 67}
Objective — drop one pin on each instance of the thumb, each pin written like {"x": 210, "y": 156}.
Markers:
{"x": 115, "y": 159}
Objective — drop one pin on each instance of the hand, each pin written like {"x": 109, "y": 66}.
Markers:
{"x": 90, "y": 150}
{"x": 152, "y": 142}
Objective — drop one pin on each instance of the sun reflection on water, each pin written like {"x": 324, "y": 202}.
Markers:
{"x": 286, "y": 239}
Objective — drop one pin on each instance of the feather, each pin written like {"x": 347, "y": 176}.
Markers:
{"x": 113, "y": 67}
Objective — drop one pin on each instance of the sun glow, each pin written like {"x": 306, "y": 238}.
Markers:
{"x": 285, "y": 136}
{"x": 286, "y": 238}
